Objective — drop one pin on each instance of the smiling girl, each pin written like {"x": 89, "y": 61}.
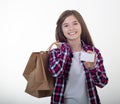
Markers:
{"x": 75, "y": 79}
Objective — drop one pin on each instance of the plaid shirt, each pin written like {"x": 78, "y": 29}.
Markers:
{"x": 59, "y": 66}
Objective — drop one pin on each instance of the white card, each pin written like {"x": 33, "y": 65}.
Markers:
{"x": 89, "y": 57}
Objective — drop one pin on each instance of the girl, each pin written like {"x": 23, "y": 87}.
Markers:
{"x": 75, "y": 79}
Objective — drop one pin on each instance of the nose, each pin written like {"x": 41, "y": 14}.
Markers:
{"x": 71, "y": 27}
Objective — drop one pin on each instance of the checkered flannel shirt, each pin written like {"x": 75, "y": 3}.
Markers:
{"x": 59, "y": 66}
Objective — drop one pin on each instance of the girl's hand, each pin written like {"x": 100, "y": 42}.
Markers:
{"x": 90, "y": 65}
{"x": 58, "y": 44}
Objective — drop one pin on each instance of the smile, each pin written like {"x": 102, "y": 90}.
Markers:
{"x": 72, "y": 33}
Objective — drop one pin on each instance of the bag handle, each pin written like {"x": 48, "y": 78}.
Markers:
{"x": 51, "y": 46}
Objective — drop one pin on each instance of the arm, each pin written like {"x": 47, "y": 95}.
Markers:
{"x": 58, "y": 60}
{"x": 98, "y": 74}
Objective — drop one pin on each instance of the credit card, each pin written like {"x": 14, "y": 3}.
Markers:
{"x": 88, "y": 57}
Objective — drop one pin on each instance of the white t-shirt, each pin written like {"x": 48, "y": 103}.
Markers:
{"x": 76, "y": 89}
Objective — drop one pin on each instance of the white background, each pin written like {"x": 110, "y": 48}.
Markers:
{"x": 29, "y": 25}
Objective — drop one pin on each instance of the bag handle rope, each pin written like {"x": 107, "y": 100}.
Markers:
{"x": 51, "y": 46}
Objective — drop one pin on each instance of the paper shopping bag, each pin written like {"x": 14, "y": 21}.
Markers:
{"x": 40, "y": 83}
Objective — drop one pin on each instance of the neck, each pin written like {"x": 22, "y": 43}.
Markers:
{"x": 75, "y": 46}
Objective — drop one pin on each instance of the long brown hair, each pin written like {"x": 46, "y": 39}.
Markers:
{"x": 85, "y": 35}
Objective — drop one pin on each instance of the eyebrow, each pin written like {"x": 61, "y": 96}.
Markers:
{"x": 72, "y": 22}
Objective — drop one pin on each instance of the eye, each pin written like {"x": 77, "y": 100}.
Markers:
{"x": 65, "y": 25}
{"x": 75, "y": 23}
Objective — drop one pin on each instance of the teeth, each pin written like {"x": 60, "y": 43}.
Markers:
{"x": 72, "y": 33}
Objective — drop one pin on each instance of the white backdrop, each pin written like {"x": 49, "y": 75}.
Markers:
{"x": 29, "y": 25}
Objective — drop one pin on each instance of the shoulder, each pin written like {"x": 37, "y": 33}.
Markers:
{"x": 64, "y": 47}
{"x": 93, "y": 48}
{"x": 87, "y": 47}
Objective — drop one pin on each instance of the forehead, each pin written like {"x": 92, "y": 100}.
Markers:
{"x": 70, "y": 19}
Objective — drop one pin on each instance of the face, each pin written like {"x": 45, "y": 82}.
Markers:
{"x": 71, "y": 28}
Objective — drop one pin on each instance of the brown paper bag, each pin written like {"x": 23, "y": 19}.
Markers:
{"x": 40, "y": 83}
